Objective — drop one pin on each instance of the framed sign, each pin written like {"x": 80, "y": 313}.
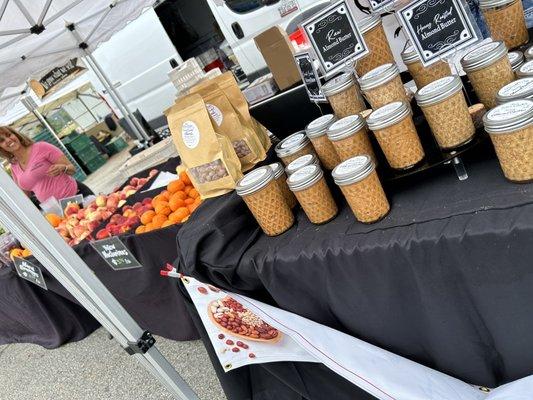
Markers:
{"x": 29, "y": 271}
{"x": 437, "y": 28}
{"x": 379, "y": 5}
{"x": 335, "y": 37}
{"x": 309, "y": 76}
{"x": 78, "y": 199}
{"x": 116, "y": 254}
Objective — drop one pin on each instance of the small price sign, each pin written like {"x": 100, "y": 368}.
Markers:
{"x": 309, "y": 76}
{"x": 78, "y": 199}
{"x": 30, "y": 272}
{"x": 116, "y": 254}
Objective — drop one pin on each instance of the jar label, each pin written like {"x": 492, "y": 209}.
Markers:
{"x": 215, "y": 113}
{"x": 377, "y": 71}
{"x": 345, "y": 122}
{"x": 482, "y": 50}
{"x": 517, "y": 87}
{"x": 514, "y": 56}
{"x": 300, "y": 162}
{"x": 292, "y": 141}
{"x": 437, "y": 85}
{"x": 253, "y": 177}
{"x": 509, "y": 110}
{"x": 527, "y": 67}
{"x": 352, "y": 165}
{"x": 190, "y": 134}
{"x": 321, "y": 121}
{"x": 276, "y": 167}
{"x": 303, "y": 173}
{"x": 385, "y": 110}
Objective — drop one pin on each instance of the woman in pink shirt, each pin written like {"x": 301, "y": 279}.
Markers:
{"x": 39, "y": 167}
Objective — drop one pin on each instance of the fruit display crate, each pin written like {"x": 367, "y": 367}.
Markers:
{"x": 76, "y": 142}
{"x": 96, "y": 162}
{"x": 87, "y": 153}
{"x": 116, "y": 145}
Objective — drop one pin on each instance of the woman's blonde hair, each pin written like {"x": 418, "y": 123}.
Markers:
{"x": 24, "y": 140}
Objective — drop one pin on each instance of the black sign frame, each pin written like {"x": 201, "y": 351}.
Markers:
{"x": 115, "y": 244}
{"x": 381, "y": 5}
{"x": 30, "y": 272}
{"x": 326, "y": 18}
{"x": 464, "y": 35}
{"x": 310, "y": 77}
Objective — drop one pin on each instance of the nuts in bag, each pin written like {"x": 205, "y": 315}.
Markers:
{"x": 209, "y": 158}
{"x": 227, "y": 122}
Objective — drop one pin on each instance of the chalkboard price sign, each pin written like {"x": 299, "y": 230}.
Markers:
{"x": 309, "y": 76}
{"x": 30, "y": 272}
{"x": 437, "y": 28}
{"x": 334, "y": 36}
{"x": 115, "y": 254}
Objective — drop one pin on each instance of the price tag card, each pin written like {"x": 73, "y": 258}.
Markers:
{"x": 335, "y": 37}
{"x": 379, "y": 5}
{"x": 309, "y": 76}
{"x": 116, "y": 254}
{"x": 78, "y": 199}
{"x": 30, "y": 272}
{"x": 437, "y": 28}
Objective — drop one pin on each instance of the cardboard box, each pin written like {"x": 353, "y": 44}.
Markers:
{"x": 277, "y": 50}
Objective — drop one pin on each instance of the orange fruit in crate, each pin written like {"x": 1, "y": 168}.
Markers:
{"x": 181, "y": 213}
{"x": 165, "y": 195}
{"x": 185, "y": 178}
{"x": 162, "y": 208}
{"x": 176, "y": 185}
{"x": 187, "y": 189}
{"x": 54, "y": 219}
{"x": 167, "y": 223}
{"x": 15, "y": 253}
{"x": 174, "y": 218}
{"x": 149, "y": 227}
{"x": 180, "y": 194}
{"x": 193, "y": 193}
{"x": 158, "y": 220}
{"x": 26, "y": 253}
{"x": 147, "y": 217}
{"x": 140, "y": 229}
{"x": 189, "y": 201}
{"x": 175, "y": 202}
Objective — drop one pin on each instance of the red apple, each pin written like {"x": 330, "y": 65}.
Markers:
{"x": 137, "y": 205}
{"x": 81, "y": 214}
{"x": 112, "y": 202}
{"x": 71, "y": 209}
{"x": 134, "y": 181}
{"x": 133, "y": 221}
{"x": 147, "y": 201}
{"x": 153, "y": 172}
{"x": 126, "y": 208}
{"x": 142, "y": 182}
{"x": 102, "y": 234}
{"x": 100, "y": 201}
{"x": 79, "y": 230}
{"x": 92, "y": 226}
{"x": 106, "y": 214}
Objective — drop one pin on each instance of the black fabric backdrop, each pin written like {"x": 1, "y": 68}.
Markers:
{"x": 444, "y": 280}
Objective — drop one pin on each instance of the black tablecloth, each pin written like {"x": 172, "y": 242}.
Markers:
{"x": 30, "y": 314}
{"x": 444, "y": 280}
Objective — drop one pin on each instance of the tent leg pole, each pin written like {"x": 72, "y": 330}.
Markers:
{"x": 87, "y": 108}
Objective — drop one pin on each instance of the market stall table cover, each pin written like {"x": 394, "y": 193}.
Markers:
{"x": 444, "y": 280}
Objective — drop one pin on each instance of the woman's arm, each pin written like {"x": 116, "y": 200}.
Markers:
{"x": 61, "y": 166}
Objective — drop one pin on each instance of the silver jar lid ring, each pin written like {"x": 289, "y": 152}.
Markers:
{"x": 485, "y": 4}
{"x": 388, "y": 115}
{"x": 516, "y": 58}
{"x": 305, "y": 177}
{"x": 438, "y": 90}
{"x": 300, "y": 162}
{"x": 509, "y": 117}
{"x": 409, "y": 54}
{"x": 277, "y": 168}
{"x": 525, "y": 69}
{"x": 345, "y": 127}
{"x": 338, "y": 84}
{"x": 353, "y": 170}
{"x": 254, "y": 180}
{"x": 319, "y": 126}
{"x": 519, "y": 89}
{"x": 484, "y": 55}
{"x": 291, "y": 144}
{"x": 529, "y": 53}
{"x": 369, "y": 22}
{"x": 378, "y": 76}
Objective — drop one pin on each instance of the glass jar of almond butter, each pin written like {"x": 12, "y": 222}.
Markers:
{"x": 360, "y": 184}
{"x": 313, "y": 194}
{"x": 505, "y": 20}
{"x": 423, "y": 75}
{"x": 379, "y": 50}
{"x": 516, "y": 90}
{"x": 349, "y": 137}
{"x": 396, "y": 134}
{"x": 281, "y": 179}
{"x": 488, "y": 69}
{"x": 264, "y": 198}
{"x": 516, "y": 59}
{"x": 344, "y": 95}
{"x": 383, "y": 85}
{"x": 525, "y": 70}
{"x": 444, "y": 106}
{"x": 316, "y": 132}
{"x": 294, "y": 146}
{"x": 300, "y": 162}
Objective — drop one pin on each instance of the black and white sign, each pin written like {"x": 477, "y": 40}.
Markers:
{"x": 437, "y": 28}
{"x": 335, "y": 37}
{"x": 380, "y": 5}
{"x": 30, "y": 272}
{"x": 309, "y": 76}
{"x": 78, "y": 199}
{"x": 116, "y": 254}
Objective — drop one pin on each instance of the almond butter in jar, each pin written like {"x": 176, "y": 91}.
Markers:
{"x": 316, "y": 132}
{"x": 444, "y": 106}
{"x": 344, "y": 95}
{"x": 505, "y": 20}
{"x": 516, "y": 59}
{"x": 349, "y": 137}
{"x": 264, "y": 198}
{"x": 383, "y": 85}
{"x": 423, "y": 75}
{"x": 301, "y": 162}
{"x": 396, "y": 134}
{"x": 378, "y": 45}
{"x": 516, "y": 90}
{"x": 294, "y": 146}
{"x": 281, "y": 179}
{"x": 525, "y": 70}
{"x": 510, "y": 126}
{"x": 360, "y": 184}
{"x": 313, "y": 194}
{"x": 488, "y": 69}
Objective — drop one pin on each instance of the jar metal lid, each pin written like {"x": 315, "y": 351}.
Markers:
{"x": 484, "y": 4}
{"x": 305, "y": 177}
{"x": 516, "y": 58}
{"x": 254, "y": 180}
{"x": 300, "y": 162}
{"x": 388, "y": 115}
{"x": 291, "y": 144}
{"x": 277, "y": 168}
{"x": 438, "y": 90}
{"x": 319, "y": 126}
{"x": 378, "y": 76}
{"x": 525, "y": 69}
{"x": 369, "y": 22}
{"x": 529, "y": 53}
{"x": 519, "y": 89}
{"x": 409, "y": 55}
{"x": 483, "y": 56}
{"x": 345, "y": 127}
{"x": 353, "y": 170}
{"x": 338, "y": 84}
{"x": 509, "y": 117}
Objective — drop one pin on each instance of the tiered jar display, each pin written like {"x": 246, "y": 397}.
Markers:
{"x": 344, "y": 95}
{"x": 294, "y": 146}
{"x": 396, "y": 134}
{"x": 379, "y": 50}
{"x": 316, "y": 132}
{"x": 444, "y": 106}
{"x": 423, "y": 75}
{"x": 383, "y": 85}
{"x": 516, "y": 90}
{"x": 505, "y": 20}
{"x": 510, "y": 126}
{"x": 488, "y": 69}
{"x": 281, "y": 179}
{"x": 349, "y": 137}
{"x": 264, "y": 198}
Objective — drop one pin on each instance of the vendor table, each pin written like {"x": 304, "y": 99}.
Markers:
{"x": 444, "y": 280}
